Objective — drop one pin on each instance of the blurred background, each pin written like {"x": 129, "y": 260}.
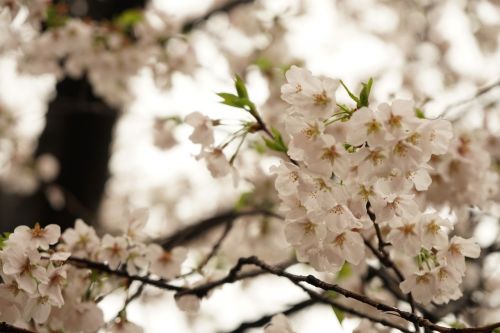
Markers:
{"x": 91, "y": 93}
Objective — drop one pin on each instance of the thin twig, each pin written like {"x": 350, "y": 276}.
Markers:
{"x": 84, "y": 263}
{"x": 478, "y": 94}
{"x": 216, "y": 246}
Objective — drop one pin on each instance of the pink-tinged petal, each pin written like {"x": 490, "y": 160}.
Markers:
{"x": 52, "y": 233}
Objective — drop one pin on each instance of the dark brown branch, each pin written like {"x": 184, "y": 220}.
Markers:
{"x": 266, "y": 318}
{"x": 4, "y": 327}
{"x": 327, "y": 300}
{"x": 216, "y": 246}
{"x": 224, "y": 8}
{"x": 200, "y": 228}
{"x": 84, "y": 263}
{"x": 202, "y": 291}
{"x": 384, "y": 257}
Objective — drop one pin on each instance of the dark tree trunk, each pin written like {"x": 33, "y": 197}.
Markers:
{"x": 78, "y": 132}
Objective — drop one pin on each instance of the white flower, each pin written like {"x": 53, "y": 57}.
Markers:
{"x": 433, "y": 230}
{"x": 455, "y": 252}
{"x": 329, "y": 157}
{"x": 437, "y": 135}
{"x": 137, "y": 219}
{"x": 390, "y": 202}
{"x": 216, "y": 161}
{"x": 398, "y": 118}
{"x": 24, "y": 264}
{"x": 287, "y": 178}
{"x": 164, "y": 263}
{"x": 38, "y": 237}
{"x": 37, "y": 308}
{"x": 365, "y": 126}
{"x": 279, "y": 324}
{"x": 447, "y": 284}
{"x": 304, "y": 133}
{"x": 313, "y": 97}
{"x": 163, "y": 134}
{"x": 203, "y": 130}
{"x": 304, "y": 232}
{"x": 85, "y": 317}
{"x": 137, "y": 259}
{"x": 82, "y": 240}
{"x": 422, "y": 286}
{"x": 52, "y": 289}
{"x": 188, "y": 303}
{"x": 347, "y": 245}
{"x": 405, "y": 235}
{"x": 113, "y": 250}
{"x": 11, "y": 299}
{"x": 124, "y": 326}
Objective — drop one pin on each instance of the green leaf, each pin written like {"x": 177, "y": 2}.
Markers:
{"x": 339, "y": 313}
{"x": 345, "y": 272}
{"x": 128, "y": 19}
{"x": 3, "y": 239}
{"x": 274, "y": 146}
{"x": 277, "y": 142}
{"x": 458, "y": 324}
{"x": 241, "y": 89}
{"x": 55, "y": 17}
{"x": 353, "y": 97}
{"x": 264, "y": 64}
{"x": 243, "y": 200}
{"x": 365, "y": 93}
{"x": 331, "y": 294}
{"x": 233, "y": 100}
{"x": 258, "y": 146}
{"x": 419, "y": 113}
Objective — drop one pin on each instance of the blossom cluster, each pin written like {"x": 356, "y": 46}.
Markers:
{"x": 351, "y": 174}
{"x": 39, "y": 285}
{"x": 356, "y": 170}
{"x": 465, "y": 172}
{"x": 33, "y": 275}
{"x": 108, "y": 53}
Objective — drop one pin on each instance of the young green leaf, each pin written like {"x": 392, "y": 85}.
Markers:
{"x": 339, "y": 314}
{"x": 3, "y": 239}
{"x": 241, "y": 89}
{"x": 419, "y": 113}
{"x": 55, "y": 17}
{"x": 345, "y": 271}
{"x": 275, "y": 145}
{"x": 365, "y": 93}
{"x": 128, "y": 19}
{"x": 233, "y": 100}
{"x": 277, "y": 142}
{"x": 353, "y": 97}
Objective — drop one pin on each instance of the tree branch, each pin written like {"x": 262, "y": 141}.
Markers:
{"x": 266, "y": 318}
{"x": 202, "y": 291}
{"x": 84, "y": 263}
{"x": 193, "y": 231}
{"x": 478, "y": 94}
{"x": 224, "y": 8}
{"x": 4, "y": 327}
{"x": 216, "y": 246}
